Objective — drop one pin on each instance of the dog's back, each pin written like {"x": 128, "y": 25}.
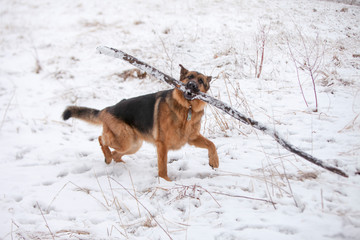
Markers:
{"x": 138, "y": 112}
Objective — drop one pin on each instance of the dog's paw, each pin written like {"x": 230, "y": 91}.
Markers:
{"x": 214, "y": 165}
{"x": 214, "y": 161}
{"x": 108, "y": 161}
{"x": 117, "y": 156}
{"x": 166, "y": 178}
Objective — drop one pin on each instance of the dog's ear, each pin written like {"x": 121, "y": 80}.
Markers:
{"x": 183, "y": 72}
{"x": 207, "y": 85}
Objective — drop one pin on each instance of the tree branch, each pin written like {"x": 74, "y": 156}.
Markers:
{"x": 218, "y": 104}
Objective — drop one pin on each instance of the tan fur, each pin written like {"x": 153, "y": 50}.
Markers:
{"x": 118, "y": 135}
{"x": 171, "y": 129}
{"x": 175, "y": 133}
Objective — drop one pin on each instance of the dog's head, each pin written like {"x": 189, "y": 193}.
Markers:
{"x": 194, "y": 81}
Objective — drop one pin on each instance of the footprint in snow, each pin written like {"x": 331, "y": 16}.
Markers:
{"x": 48, "y": 183}
{"x": 18, "y": 198}
{"x": 81, "y": 169}
{"x": 62, "y": 174}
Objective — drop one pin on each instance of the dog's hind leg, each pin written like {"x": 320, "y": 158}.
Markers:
{"x": 106, "y": 151}
{"x": 117, "y": 156}
{"x": 122, "y": 138}
{"x": 105, "y": 142}
{"x": 120, "y": 151}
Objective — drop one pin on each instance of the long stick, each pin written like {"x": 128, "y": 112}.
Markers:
{"x": 218, "y": 104}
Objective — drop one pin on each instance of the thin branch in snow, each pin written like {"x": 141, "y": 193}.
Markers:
{"x": 6, "y": 110}
{"x": 117, "y": 207}
{"x": 46, "y": 223}
{"x": 260, "y": 41}
{"x": 132, "y": 183}
{"x": 307, "y": 57}
{"x": 101, "y": 190}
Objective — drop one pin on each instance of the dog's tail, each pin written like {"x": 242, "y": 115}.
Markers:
{"x": 89, "y": 115}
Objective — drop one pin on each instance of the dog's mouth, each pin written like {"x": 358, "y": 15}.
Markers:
{"x": 191, "y": 89}
{"x": 189, "y": 95}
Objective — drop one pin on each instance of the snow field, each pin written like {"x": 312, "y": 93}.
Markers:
{"x": 54, "y": 183}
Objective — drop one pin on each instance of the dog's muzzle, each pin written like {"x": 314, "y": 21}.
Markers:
{"x": 191, "y": 89}
{"x": 192, "y": 86}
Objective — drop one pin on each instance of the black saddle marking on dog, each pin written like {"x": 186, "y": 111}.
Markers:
{"x": 138, "y": 112}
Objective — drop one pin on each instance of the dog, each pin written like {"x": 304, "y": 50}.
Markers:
{"x": 167, "y": 119}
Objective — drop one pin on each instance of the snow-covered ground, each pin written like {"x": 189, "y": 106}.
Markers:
{"x": 54, "y": 183}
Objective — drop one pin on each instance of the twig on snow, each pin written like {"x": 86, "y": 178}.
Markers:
{"x": 6, "y": 110}
{"x": 132, "y": 183}
{"x": 118, "y": 207}
{"x": 260, "y": 39}
{"x": 80, "y": 189}
{"x": 245, "y": 197}
{"x": 46, "y": 223}
{"x": 202, "y": 189}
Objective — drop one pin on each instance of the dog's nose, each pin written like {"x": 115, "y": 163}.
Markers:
{"x": 192, "y": 86}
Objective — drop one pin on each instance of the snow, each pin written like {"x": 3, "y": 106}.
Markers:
{"x": 54, "y": 183}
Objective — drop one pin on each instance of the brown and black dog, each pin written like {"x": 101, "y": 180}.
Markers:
{"x": 166, "y": 119}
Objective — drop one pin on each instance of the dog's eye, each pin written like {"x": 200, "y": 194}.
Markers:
{"x": 190, "y": 76}
{"x": 201, "y": 81}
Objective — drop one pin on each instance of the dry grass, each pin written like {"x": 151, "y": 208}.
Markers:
{"x": 273, "y": 171}
{"x": 38, "y": 67}
{"x": 353, "y": 125}
{"x": 131, "y": 74}
{"x": 222, "y": 121}
{"x": 110, "y": 200}
{"x": 6, "y": 109}
{"x": 308, "y": 58}
{"x": 150, "y": 215}
{"x": 261, "y": 39}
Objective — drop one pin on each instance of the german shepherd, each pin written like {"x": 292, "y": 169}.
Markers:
{"x": 167, "y": 119}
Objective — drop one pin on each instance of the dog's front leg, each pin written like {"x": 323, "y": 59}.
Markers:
{"x": 162, "y": 160}
{"x": 202, "y": 142}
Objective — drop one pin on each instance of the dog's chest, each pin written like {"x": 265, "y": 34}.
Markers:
{"x": 184, "y": 126}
